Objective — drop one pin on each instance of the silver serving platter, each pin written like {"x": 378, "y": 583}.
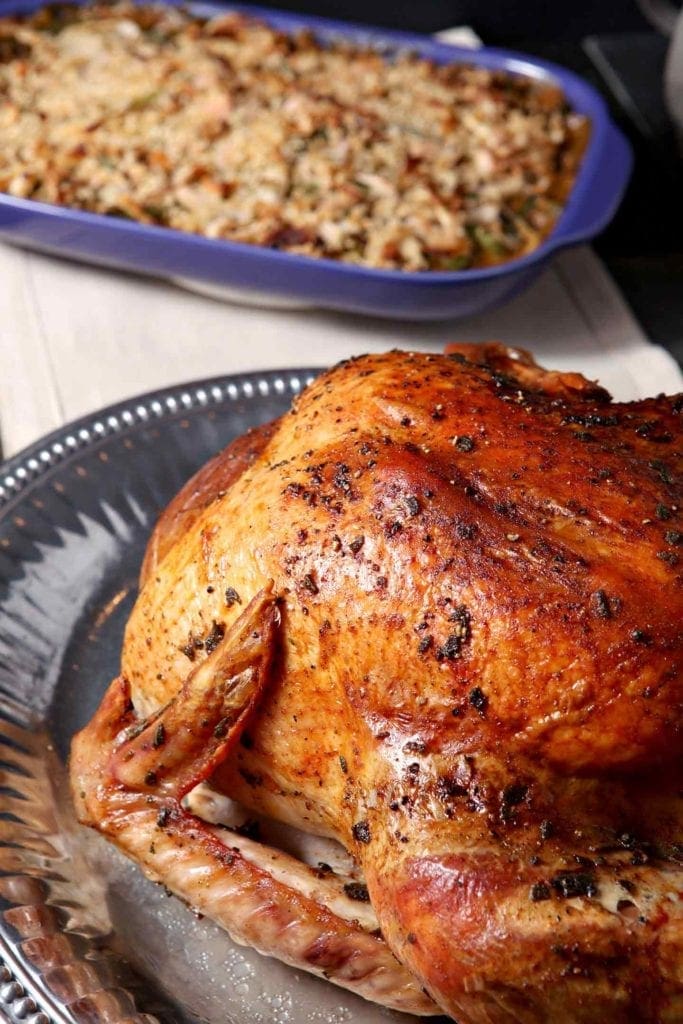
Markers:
{"x": 84, "y": 938}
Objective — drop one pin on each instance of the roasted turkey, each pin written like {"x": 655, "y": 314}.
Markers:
{"x": 434, "y": 613}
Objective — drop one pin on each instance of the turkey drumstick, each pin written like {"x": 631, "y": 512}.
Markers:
{"x": 129, "y": 778}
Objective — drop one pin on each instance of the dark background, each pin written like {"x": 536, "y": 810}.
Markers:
{"x": 611, "y": 43}
{"x": 499, "y": 22}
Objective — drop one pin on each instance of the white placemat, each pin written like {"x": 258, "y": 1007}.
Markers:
{"x": 74, "y": 338}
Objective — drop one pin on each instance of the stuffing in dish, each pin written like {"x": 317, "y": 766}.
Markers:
{"x": 231, "y": 129}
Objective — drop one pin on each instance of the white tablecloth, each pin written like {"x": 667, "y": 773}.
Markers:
{"x": 75, "y": 338}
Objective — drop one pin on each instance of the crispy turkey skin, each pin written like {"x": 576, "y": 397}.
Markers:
{"x": 474, "y": 682}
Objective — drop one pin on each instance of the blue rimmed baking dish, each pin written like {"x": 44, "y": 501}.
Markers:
{"x": 275, "y": 276}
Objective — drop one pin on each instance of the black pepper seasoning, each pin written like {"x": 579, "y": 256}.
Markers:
{"x": 570, "y": 884}
{"x": 424, "y": 644}
{"x": 450, "y": 650}
{"x": 515, "y": 794}
{"x": 361, "y": 832}
{"x": 214, "y": 638}
{"x": 461, "y": 616}
{"x": 413, "y": 505}
{"x": 479, "y": 700}
{"x": 309, "y": 584}
{"x": 357, "y": 891}
{"x": 466, "y": 531}
{"x": 602, "y": 605}
{"x": 662, "y": 470}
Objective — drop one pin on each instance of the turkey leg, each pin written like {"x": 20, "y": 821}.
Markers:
{"x": 130, "y": 777}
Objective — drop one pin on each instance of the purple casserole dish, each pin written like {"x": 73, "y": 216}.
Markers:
{"x": 277, "y": 277}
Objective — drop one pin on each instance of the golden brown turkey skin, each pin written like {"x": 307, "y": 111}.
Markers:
{"x": 480, "y": 652}
{"x": 404, "y": 487}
